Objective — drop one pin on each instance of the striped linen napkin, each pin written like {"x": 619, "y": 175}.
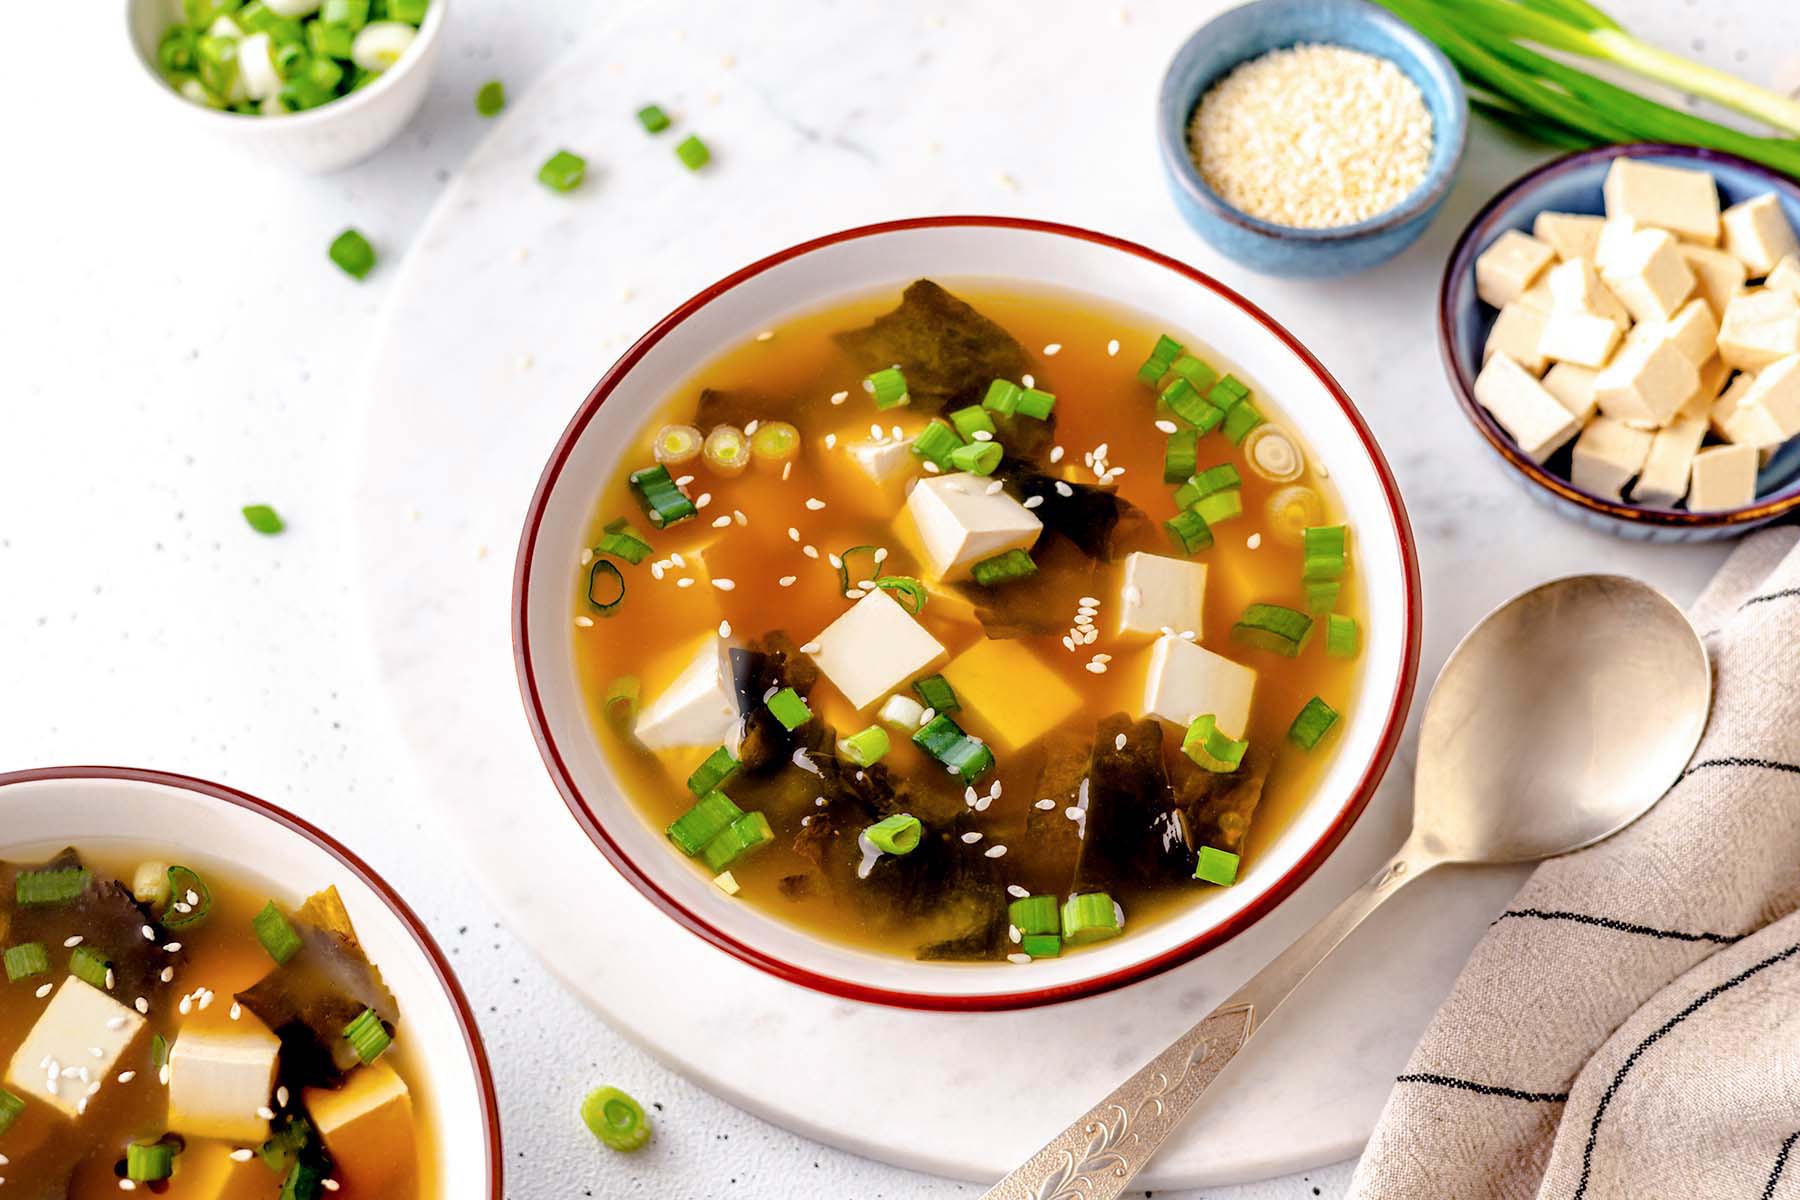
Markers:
{"x": 1630, "y": 1026}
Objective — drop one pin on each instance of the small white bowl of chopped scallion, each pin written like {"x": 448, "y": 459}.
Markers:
{"x": 310, "y": 84}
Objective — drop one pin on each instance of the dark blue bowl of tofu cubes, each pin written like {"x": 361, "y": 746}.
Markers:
{"x": 1622, "y": 326}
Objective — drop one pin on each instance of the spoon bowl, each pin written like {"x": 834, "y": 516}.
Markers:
{"x": 1559, "y": 720}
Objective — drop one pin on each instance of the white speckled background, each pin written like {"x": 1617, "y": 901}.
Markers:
{"x": 174, "y": 344}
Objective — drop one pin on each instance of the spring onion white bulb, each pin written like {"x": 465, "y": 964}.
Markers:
{"x": 271, "y": 106}
{"x": 380, "y": 44}
{"x": 292, "y": 8}
{"x": 224, "y": 27}
{"x": 256, "y": 66}
{"x": 1273, "y": 454}
{"x": 194, "y": 90}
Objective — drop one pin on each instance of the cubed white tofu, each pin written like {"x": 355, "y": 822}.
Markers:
{"x": 1760, "y": 327}
{"x": 1538, "y": 296}
{"x": 962, "y": 520}
{"x": 1648, "y": 275}
{"x": 1785, "y": 276}
{"x": 1576, "y": 287}
{"x": 699, "y": 708}
{"x": 1613, "y": 243}
{"x": 1757, "y": 233}
{"x": 1580, "y": 338}
{"x": 883, "y": 461}
{"x": 1723, "y": 477}
{"x": 1720, "y": 276}
{"x": 1679, "y": 199}
{"x": 1607, "y": 454}
{"x": 1008, "y": 693}
{"x": 1518, "y": 333}
{"x": 220, "y": 1078}
{"x": 1574, "y": 387}
{"x": 1571, "y": 235}
{"x": 1647, "y": 382}
{"x": 873, "y": 648}
{"x": 1161, "y": 593}
{"x": 1730, "y": 401}
{"x": 1692, "y": 330}
{"x": 82, "y": 1028}
{"x": 1664, "y": 477}
{"x": 1509, "y": 266}
{"x": 1537, "y": 421}
{"x": 368, "y": 1128}
{"x": 1713, "y": 374}
{"x": 1184, "y": 680}
{"x": 1768, "y": 413}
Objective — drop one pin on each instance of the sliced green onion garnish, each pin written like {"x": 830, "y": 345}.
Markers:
{"x": 276, "y": 933}
{"x": 898, "y": 834}
{"x": 1220, "y": 506}
{"x": 1090, "y": 917}
{"x": 149, "y": 1163}
{"x": 676, "y": 444}
{"x": 664, "y": 503}
{"x": 352, "y": 14}
{"x": 10, "y": 1108}
{"x": 1189, "y": 531}
{"x": 787, "y": 707}
{"x": 1197, "y": 372}
{"x": 176, "y": 50}
{"x": 1227, "y": 393}
{"x": 1161, "y": 358}
{"x": 1326, "y": 552}
{"x": 774, "y": 442}
{"x": 620, "y": 704}
{"x": 1323, "y": 595}
{"x": 1223, "y": 477}
{"x": 1003, "y": 568}
{"x": 622, "y": 541}
{"x": 977, "y": 458}
{"x": 190, "y": 900}
{"x": 710, "y": 816}
{"x": 490, "y": 98}
{"x": 1041, "y": 945}
{"x": 888, "y": 387}
{"x": 1035, "y": 914}
{"x": 606, "y": 587}
{"x": 263, "y": 519}
{"x": 49, "y": 885}
{"x": 1036, "y": 404}
{"x": 325, "y": 40}
{"x": 1189, "y": 404}
{"x": 936, "y": 442}
{"x": 849, "y": 575}
{"x": 305, "y": 1181}
{"x": 1210, "y": 748}
{"x": 616, "y": 1119}
{"x": 90, "y": 966}
{"x": 653, "y": 118}
{"x": 368, "y": 1036}
{"x": 1217, "y": 866}
{"x": 159, "y": 1051}
{"x": 1312, "y": 724}
{"x": 712, "y": 774}
{"x": 973, "y": 420}
{"x": 1002, "y": 396}
{"x": 865, "y": 748}
{"x": 24, "y": 961}
{"x": 693, "y": 153}
{"x": 563, "y": 171}
{"x": 1342, "y": 638}
{"x": 914, "y": 591}
{"x": 1179, "y": 455}
{"x": 1273, "y": 627}
{"x": 1242, "y": 418}
{"x": 726, "y": 450}
{"x": 410, "y": 11}
{"x": 743, "y": 837}
{"x": 936, "y": 694}
{"x": 945, "y": 741}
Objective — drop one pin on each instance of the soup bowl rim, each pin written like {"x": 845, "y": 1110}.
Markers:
{"x": 432, "y": 953}
{"x": 1215, "y": 934}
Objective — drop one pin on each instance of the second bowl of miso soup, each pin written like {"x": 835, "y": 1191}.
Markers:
{"x": 983, "y": 626}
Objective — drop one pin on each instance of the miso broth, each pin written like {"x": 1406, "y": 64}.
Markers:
{"x": 1053, "y": 780}
{"x": 153, "y": 1043}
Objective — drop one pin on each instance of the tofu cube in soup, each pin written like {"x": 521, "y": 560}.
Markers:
{"x": 1184, "y": 680}
{"x": 1648, "y": 275}
{"x": 1679, "y": 199}
{"x": 1664, "y": 478}
{"x": 1160, "y": 593}
{"x": 1719, "y": 275}
{"x": 1518, "y": 333}
{"x": 1607, "y": 454}
{"x": 699, "y": 707}
{"x": 1759, "y": 328}
{"x": 79, "y": 1021}
{"x": 1571, "y": 235}
{"x": 220, "y": 1081}
{"x": 1757, "y": 233}
{"x": 883, "y": 461}
{"x": 1574, "y": 387}
{"x": 1647, "y": 382}
{"x": 1505, "y": 269}
{"x": 874, "y": 648}
{"x": 962, "y": 519}
{"x": 209, "y": 1172}
{"x": 1723, "y": 477}
{"x": 1007, "y": 691}
{"x": 367, "y": 1127}
{"x": 1537, "y": 421}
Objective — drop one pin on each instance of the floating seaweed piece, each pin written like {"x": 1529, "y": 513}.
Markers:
{"x": 948, "y": 352}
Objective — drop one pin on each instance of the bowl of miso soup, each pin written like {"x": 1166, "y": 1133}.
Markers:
{"x": 966, "y": 613}
{"x": 205, "y": 998}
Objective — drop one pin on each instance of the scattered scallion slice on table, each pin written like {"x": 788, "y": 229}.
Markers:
{"x": 563, "y": 171}
{"x": 693, "y": 153}
{"x": 653, "y": 118}
{"x": 490, "y": 98}
{"x": 616, "y": 1119}
{"x": 263, "y": 519}
{"x": 898, "y": 834}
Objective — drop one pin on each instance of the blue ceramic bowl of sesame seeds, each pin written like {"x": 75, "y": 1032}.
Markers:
{"x": 1253, "y": 30}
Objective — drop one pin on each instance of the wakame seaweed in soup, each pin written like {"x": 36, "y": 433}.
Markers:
{"x": 968, "y": 623}
{"x": 167, "y": 1028}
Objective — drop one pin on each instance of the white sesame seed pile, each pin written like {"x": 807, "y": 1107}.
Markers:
{"x": 1313, "y": 137}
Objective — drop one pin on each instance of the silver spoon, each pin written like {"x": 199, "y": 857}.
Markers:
{"x": 1560, "y": 719}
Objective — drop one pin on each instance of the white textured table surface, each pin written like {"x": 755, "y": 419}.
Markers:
{"x": 173, "y": 345}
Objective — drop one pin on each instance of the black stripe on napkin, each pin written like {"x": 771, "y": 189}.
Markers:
{"x": 1783, "y": 594}
{"x": 1485, "y": 1089}
{"x": 1617, "y": 926}
{"x": 1766, "y": 764}
{"x": 1662, "y": 1031}
{"x": 1768, "y": 1192}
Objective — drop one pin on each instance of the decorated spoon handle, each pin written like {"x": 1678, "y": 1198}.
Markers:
{"x": 1096, "y": 1157}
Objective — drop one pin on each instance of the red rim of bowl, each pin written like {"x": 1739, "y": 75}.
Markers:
{"x": 1479, "y": 232}
{"x": 465, "y": 1015}
{"x": 985, "y": 1002}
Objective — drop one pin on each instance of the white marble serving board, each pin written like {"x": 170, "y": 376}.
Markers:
{"x": 514, "y": 300}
